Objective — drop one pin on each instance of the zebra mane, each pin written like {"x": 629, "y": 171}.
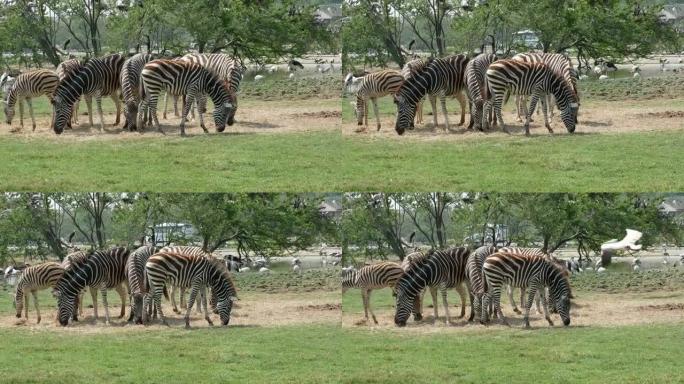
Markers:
{"x": 220, "y": 266}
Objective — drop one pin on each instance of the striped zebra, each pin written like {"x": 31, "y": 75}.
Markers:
{"x": 130, "y": 88}
{"x": 443, "y": 269}
{"x": 228, "y": 69}
{"x": 103, "y": 270}
{"x": 535, "y": 79}
{"x": 370, "y": 277}
{"x": 410, "y": 69}
{"x": 70, "y": 68}
{"x": 195, "y": 271}
{"x": 475, "y": 73}
{"x": 190, "y": 251}
{"x": 535, "y": 273}
{"x": 375, "y": 85}
{"x": 98, "y": 77}
{"x": 28, "y": 85}
{"x": 135, "y": 275}
{"x": 478, "y": 285}
{"x": 180, "y": 77}
{"x": 441, "y": 77}
{"x": 558, "y": 63}
{"x": 33, "y": 279}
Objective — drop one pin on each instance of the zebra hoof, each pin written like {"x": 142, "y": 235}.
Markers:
{"x": 516, "y": 310}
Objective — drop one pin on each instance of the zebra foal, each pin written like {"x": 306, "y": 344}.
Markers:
{"x": 370, "y": 277}
{"x": 33, "y": 279}
{"x": 374, "y": 85}
{"x": 26, "y": 86}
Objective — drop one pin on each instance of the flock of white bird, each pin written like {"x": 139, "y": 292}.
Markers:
{"x": 603, "y": 68}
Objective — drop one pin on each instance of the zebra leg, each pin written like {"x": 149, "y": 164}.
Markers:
{"x": 186, "y": 109}
{"x": 117, "y": 102}
{"x": 121, "y": 290}
{"x": 370, "y": 309}
{"x": 498, "y": 101}
{"x": 140, "y": 117}
{"x": 21, "y": 113}
{"x": 545, "y": 105}
{"x": 542, "y": 295}
{"x": 442, "y": 100}
{"x": 206, "y": 309}
{"x": 98, "y": 102}
{"x": 433, "y": 104}
{"x": 89, "y": 104}
{"x": 461, "y": 100}
{"x": 374, "y": 100}
{"x": 175, "y": 106}
{"x": 30, "y": 107}
{"x": 106, "y": 305}
{"x": 435, "y": 304}
{"x": 446, "y": 306}
{"x": 462, "y": 294}
{"x": 26, "y": 304}
{"x": 35, "y": 302}
{"x": 419, "y": 112}
{"x": 157, "y": 303}
{"x": 191, "y": 302}
{"x": 528, "y": 304}
{"x": 509, "y": 291}
{"x": 364, "y": 299}
{"x": 93, "y": 295}
{"x": 537, "y": 302}
{"x": 202, "y": 300}
{"x": 173, "y": 299}
{"x": 528, "y": 113}
{"x": 131, "y": 308}
{"x": 166, "y": 102}
{"x": 496, "y": 302}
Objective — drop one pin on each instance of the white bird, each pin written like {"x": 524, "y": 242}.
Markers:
{"x": 351, "y": 83}
{"x": 680, "y": 61}
{"x": 629, "y": 242}
{"x": 297, "y": 269}
{"x": 636, "y": 268}
{"x": 601, "y": 270}
{"x": 258, "y": 78}
{"x": 296, "y": 261}
{"x": 273, "y": 69}
{"x": 598, "y": 70}
{"x": 264, "y": 270}
{"x": 635, "y": 68}
{"x": 583, "y": 77}
{"x": 636, "y": 75}
{"x": 292, "y": 76}
{"x": 603, "y": 77}
{"x": 664, "y": 260}
{"x": 244, "y": 269}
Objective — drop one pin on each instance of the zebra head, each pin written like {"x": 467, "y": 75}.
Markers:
{"x": 9, "y": 112}
{"x": 231, "y": 106}
{"x": 569, "y": 116}
{"x": 561, "y": 294}
{"x": 61, "y": 115}
{"x": 405, "y": 304}
{"x": 406, "y": 112}
{"x": 65, "y": 306}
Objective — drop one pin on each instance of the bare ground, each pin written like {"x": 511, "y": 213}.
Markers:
{"x": 252, "y": 117}
{"x": 253, "y": 310}
{"x": 596, "y": 118}
{"x": 588, "y": 310}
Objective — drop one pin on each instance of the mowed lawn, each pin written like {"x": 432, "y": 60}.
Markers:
{"x": 329, "y": 354}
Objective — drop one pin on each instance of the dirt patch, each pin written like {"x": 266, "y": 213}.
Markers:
{"x": 663, "y": 307}
{"x": 322, "y": 307}
{"x": 320, "y": 114}
{"x": 663, "y": 114}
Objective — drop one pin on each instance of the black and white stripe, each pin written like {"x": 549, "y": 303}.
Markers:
{"x": 533, "y": 272}
{"x": 190, "y": 251}
{"x": 197, "y": 272}
{"x": 374, "y": 85}
{"x": 103, "y": 270}
{"x": 478, "y": 285}
{"x": 66, "y": 69}
{"x": 475, "y": 74}
{"x": 135, "y": 275}
{"x": 181, "y": 77}
{"x": 409, "y": 69}
{"x": 33, "y": 279}
{"x": 535, "y": 79}
{"x": 441, "y": 77}
{"x": 98, "y": 77}
{"x": 443, "y": 269}
{"x": 130, "y": 87}
{"x": 26, "y": 86}
{"x": 370, "y": 277}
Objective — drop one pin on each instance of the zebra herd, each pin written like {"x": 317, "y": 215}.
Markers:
{"x": 487, "y": 81}
{"x": 481, "y": 274}
{"x": 139, "y": 80}
{"x": 143, "y": 273}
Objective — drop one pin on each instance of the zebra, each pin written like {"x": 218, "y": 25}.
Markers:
{"x": 228, "y": 69}
{"x": 135, "y": 275}
{"x": 560, "y": 64}
{"x": 103, "y": 269}
{"x": 130, "y": 87}
{"x": 180, "y": 77}
{"x": 441, "y": 77}
{"x": 70, "y": 68}
{"x": 33, "y": 279}
{"x": 98, "y": 77}
{"x": 195, "y": 271}
{"x": 410, "y": 69}
{"x": 524, "y": 78}
{"x": 374, "y": 85}
{"x": 442, "y": 268}
{"x": 534, "y": 272}
{"x": 190, "y": 251}
{"x": 28, "y": 85}
{"x": 475, "y": 73}
{"x": 478, "y": 285}
{"x": 78, "y": 258}
{"x": 370, "y": 277}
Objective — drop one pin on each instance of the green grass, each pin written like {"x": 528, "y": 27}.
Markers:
{"x": 328, "y": 354}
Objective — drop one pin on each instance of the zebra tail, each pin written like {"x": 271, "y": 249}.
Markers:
{"x": 507, "y": 95}
{"x": 166, "y": 293}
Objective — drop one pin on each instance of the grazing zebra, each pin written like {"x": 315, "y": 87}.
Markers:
{"x": 443, "y": 269}
{"x": 130, "y": 87}
{"x": 70, "y": 68}
{"x": 441, "y": 77}
{"x": 533, "y": 272}
{"x": 135, "y": 275}
{"x": 180, "y": 77}
{"x": 190, "y": 251}
{"x": 195, "y": 271}
{"x": 226, "y": 68}
{"x": 535, "y": 79}
{"x": 98, "y": 77}
{"x": 102, "y": 270}
{"x": 475, "y": 73}
{"x": 478, "y": 285}
{"x": 374, "y": 85}
{"x": 558, "y": 63}
{"x": 410, "y": 69}
{"x": 27, "y": 85}
{"x": 33, "y": 279}
{"x": 370, "y": 277}
{"x": 78, "y": 258}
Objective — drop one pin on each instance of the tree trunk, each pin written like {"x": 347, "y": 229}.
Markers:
{"x": 606, "y": 257}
